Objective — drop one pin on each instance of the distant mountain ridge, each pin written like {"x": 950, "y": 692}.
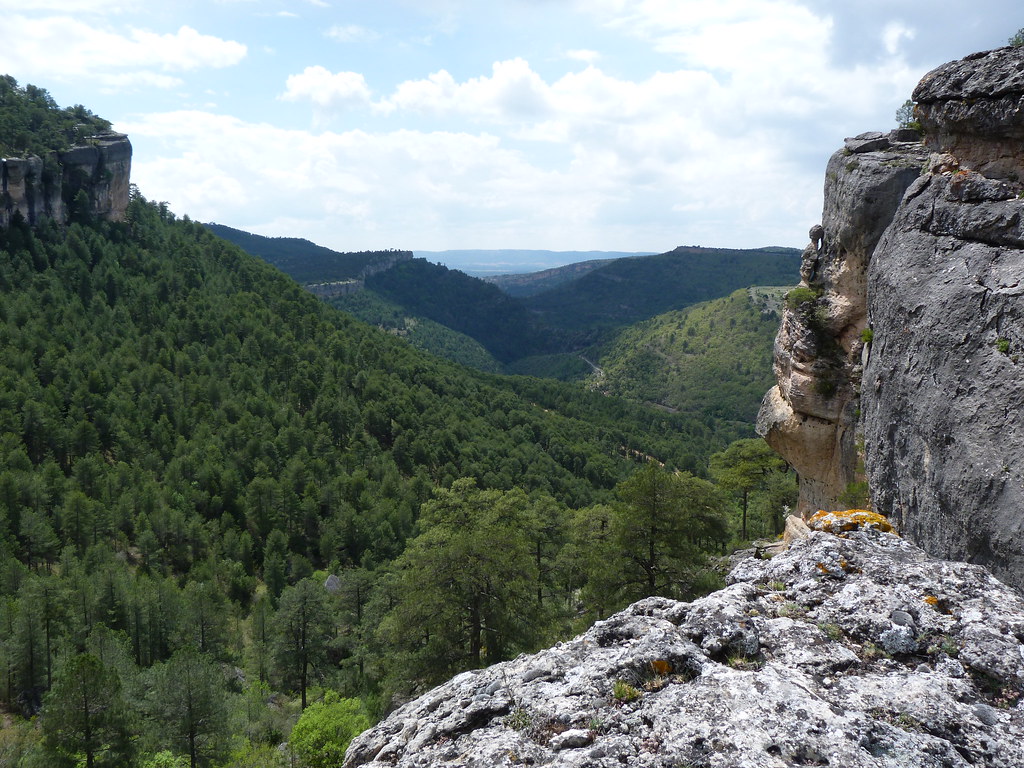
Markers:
{"x": 531, "y": 323}
{"x": 626, "y": 291}
{"x": 508, "y": 261}
{"x": 533, "y": 283}
{"x": 309, "y": 263}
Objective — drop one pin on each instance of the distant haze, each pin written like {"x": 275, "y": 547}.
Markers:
{"x": 482, "y": 263}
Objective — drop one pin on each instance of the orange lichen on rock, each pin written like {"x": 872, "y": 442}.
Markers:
{"x": 661, "y": 667}
{"x": 839, "y": 522}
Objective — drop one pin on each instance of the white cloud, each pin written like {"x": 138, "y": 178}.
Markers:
{"x": 351, "y": 33}
{"x": 186, "y": 49}
{"x": 586, "y": 56}
{"x": 514, "y": 91}
{"x": 355, "y": 189}
{"x": 894, "y": 34}
{"x": 55, "y": 46}
{"x": 326, "y": 89}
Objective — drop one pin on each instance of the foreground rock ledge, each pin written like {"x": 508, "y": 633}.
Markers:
{"x": 856, "y": 651}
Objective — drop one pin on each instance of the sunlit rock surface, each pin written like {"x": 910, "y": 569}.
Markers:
{"x": 856, "y": 652}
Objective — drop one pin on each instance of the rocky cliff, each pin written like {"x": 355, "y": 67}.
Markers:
{"x": 810, "y": 417}
{"x": 921, "y": 254}
{"x": 35, "y": 188}
{"x": 850, "y": 651}
{"x": 944, "y": 386}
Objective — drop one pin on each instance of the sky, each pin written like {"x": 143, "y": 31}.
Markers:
{"x": 632, "y": 125}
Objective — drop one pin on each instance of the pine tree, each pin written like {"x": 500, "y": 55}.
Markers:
{"x": 84, "y": 716}
{"x": 303, "y": 627}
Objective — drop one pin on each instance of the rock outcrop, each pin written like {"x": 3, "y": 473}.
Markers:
{"x": 944, "y": 387}
{"x": 858, "y": 651}
{"x": 810, "y": 417}
{"x": 922, "y": 249}
{"x": 34, "y": 188}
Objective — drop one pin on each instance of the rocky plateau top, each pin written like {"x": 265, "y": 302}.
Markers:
{"x": 854, "y": 650}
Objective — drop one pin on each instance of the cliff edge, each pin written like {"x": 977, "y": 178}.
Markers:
{"x": 33, "y": 188}
{"x": 855, "y": 650}
{"x": 907, "y": 325}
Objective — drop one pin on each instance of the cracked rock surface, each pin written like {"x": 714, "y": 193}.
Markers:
{"x": 856, "y": 651}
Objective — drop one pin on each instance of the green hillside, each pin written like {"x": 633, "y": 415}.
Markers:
{"x": 714, "y": 357}
{"x": 424, "y": 334}
{"x": 233, "y": 517}
{"x": 627, "y": 291}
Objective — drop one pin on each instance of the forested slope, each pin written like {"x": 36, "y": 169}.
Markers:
{"x": 711, "y": 358}
{"x": 187, "y": 436}
{"x": 500, "y": 323}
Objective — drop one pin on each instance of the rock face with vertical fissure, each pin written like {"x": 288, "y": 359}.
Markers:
{"x": 944, "y": 387}
{"x": 810, "y": 417}
{"x": 33, "y": 188}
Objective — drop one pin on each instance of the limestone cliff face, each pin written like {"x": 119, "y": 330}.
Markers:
{"x": 810, "y": 417}
{"x": 944, "y": 387}
{"x": 35, "y": 188}
{"x": 859, "y": 652}
{"x": 924, "y": 245}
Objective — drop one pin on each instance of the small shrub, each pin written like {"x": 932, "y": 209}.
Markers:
{"x": 800, "y": 295}
{"x": 519, "y": 719}
{"x": 869, "y": 652}
{"x": 624, "y": 692}
{"x": 792, "y": 610}
{"x": 831, "y": 631}
{"x": 743, "y": 662}
{"x": 1017, "y": 40}
{"x": 867, "y": 335}
{"x": 323, "y": 732}
{"x": 1003, "y": 345}
{"x": 905, "y": 116}
{"x": 825, "y": 386}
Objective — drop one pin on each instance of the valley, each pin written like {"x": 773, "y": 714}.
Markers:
{"x": 217, "y": 486}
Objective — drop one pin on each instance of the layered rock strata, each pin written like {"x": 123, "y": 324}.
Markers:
{"x": 34, "y": 188}
{"x": 858, "y": 651}
{"x": 810, "y": 417}
{"x": 944, "y": 386}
